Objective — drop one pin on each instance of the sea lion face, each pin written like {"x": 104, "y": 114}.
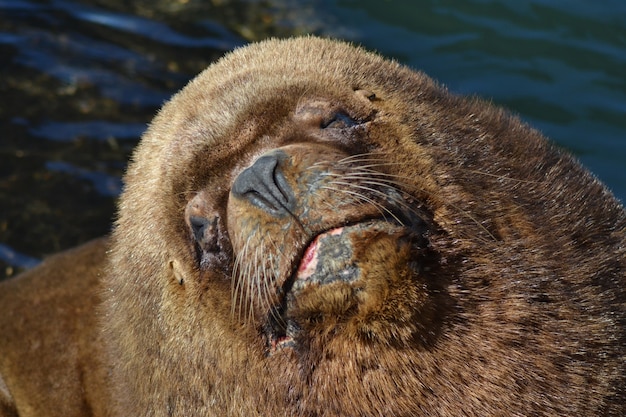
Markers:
{"x": 319, "y": 237}
{"x": 308, "y": 229}
{"x": 322, "y": 235}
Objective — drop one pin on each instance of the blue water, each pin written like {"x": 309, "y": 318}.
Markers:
{"x": 560, "y": 65}
{"x": 81, "y": 79}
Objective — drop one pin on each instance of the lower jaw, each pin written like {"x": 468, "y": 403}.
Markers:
{"x": 332, "y": 257}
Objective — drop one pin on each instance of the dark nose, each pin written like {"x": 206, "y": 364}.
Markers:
{"x": 265, "y": 186}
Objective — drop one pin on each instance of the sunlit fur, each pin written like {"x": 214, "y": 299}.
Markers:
{"x": 486, "y": 268}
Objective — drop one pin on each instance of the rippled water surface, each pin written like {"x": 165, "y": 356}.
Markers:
{"x": 80, "y": 80}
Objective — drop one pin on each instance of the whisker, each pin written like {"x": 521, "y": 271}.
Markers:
{"x": 381, "y": 208}
{"x": 403, "y": 185}
{"x": 380, "y": 193}
{"x": 268, "y": 289}
{"x": 245, "y": 277}
{"x": 237, "y": 280}
{"x": 247, "y": 288}
{"x": 254, "y": 271}
{"x": 360, "y": 157}
{"x": 503, "y": 177}
{"x": 266, "y": 280}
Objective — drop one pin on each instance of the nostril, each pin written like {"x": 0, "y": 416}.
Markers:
{"x": 198, "y": 227}
{"x": 206, "y": 232}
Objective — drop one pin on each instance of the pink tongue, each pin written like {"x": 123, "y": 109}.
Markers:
{"x": 308, "y": 264}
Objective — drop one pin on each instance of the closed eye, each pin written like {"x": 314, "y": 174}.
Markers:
{"x": 339, "y": 120}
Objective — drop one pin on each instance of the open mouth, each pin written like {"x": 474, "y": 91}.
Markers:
{"x": 331, "y": 255}
{"x": 336, "y": 256}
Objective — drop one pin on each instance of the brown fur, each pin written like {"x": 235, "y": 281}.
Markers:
{"x": 491, "y": 280}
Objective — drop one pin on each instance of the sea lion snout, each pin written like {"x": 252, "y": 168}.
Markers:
{"x": 320, "y": 238}
{"x": 264, "y": 185}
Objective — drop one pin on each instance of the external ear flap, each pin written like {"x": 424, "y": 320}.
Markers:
{"x": 369, "y": 95}
{"x": 176, "y": 272}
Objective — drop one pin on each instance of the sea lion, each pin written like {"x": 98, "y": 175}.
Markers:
{"x": 309, "y": 229}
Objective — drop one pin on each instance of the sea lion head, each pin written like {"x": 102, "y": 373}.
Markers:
{"x": 310, "y": 229}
